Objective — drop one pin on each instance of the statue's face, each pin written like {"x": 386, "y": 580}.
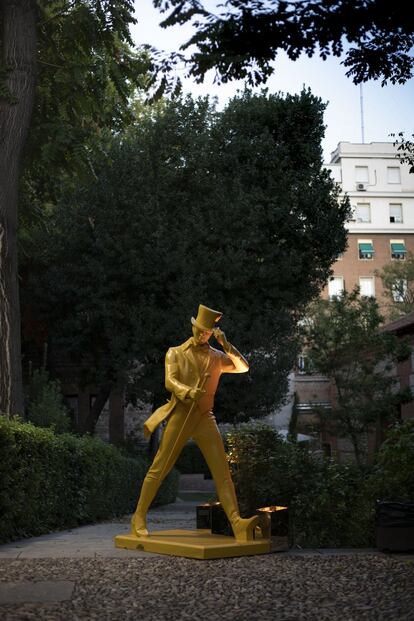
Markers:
{"x": 201, "y": 336}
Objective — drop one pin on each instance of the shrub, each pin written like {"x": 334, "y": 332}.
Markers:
{"x": 45, "y": 406}
{"x": 393, "y": 474}
{"x": 328, "y": 502}
{"x": 51, "y": 482}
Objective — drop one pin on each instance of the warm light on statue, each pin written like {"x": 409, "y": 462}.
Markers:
{"x": 192, "y": 374}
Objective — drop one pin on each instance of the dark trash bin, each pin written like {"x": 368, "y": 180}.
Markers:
{"x": 395, "y": 525}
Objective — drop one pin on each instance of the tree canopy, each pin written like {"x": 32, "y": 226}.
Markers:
{"x": 398, "y": 281}
{"x": 231, "y": 209}
{"x": 405, "y": 150}
{"x": 241, "y": 38}
{"x": 67, "y": 72}
{"x": 87, "y": 73}
{"x": 342, "y": 340}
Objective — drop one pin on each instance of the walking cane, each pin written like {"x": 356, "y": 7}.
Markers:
{"x": 200, "y": 386}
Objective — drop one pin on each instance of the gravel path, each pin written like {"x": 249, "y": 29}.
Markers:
{"x": 269, "y": 587}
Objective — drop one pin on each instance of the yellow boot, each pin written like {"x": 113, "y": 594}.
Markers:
{"x": 243, "y": 528}
{"x": 139, "y": 525}
{"x": 139, "y": 519}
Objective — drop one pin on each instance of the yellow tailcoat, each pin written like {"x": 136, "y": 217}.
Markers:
{"x": 185, "y": 366}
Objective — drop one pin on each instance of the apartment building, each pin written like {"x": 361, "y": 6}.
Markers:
{"x": 381, "y": 193}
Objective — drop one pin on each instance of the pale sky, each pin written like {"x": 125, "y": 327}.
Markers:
{"x": 386, "y": 109}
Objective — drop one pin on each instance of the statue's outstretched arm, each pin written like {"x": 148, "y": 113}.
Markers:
{"x": 233, "y": 361}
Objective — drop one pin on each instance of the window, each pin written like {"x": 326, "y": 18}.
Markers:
{"x": 398, "y": 250}
{"x": 366, "y": 287}
{"x": 365, "y": 249}
{"x": 363, "y": 212}
{"x": 393, "y": 174}
{"x": 335, "y": 287}
{"x": 396, "y": 212}
{"x": 361, "y": 174}
{"x": 399, "y": 290}
{"x": 302, "y": 364}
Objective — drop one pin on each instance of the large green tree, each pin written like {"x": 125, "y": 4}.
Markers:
{"x": 239, "y": 39}
{"x": 66, "y": 72}
{"x": 398, "y": 281}
{"x": 231, "y": 209}
{"x": 342, "y": 340}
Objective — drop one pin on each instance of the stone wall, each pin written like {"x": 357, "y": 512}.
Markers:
{"x": 134, "y": 418}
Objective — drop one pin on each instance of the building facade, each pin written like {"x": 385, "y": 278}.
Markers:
{"x": 381, "y": 192}
{"x": 381, "y": 230}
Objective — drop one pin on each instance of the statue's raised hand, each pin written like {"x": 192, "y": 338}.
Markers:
{"x": 221, "y": 338}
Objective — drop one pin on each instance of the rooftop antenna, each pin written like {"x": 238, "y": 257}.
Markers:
{"x": 361, "y": 103}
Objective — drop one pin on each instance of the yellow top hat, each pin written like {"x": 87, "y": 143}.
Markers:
{"x": 206, "y": 318}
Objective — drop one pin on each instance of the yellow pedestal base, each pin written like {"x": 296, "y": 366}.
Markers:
{"x": 200, "y": 544}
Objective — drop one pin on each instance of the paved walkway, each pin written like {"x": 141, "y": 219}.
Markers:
{"x": 97, "y": 540}
{"x": 79, "y": 574}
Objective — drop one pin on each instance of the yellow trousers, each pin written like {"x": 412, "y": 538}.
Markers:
{"x": 202, "y": 428}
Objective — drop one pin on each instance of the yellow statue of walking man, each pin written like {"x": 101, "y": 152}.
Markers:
{"x": 192, "y": 374}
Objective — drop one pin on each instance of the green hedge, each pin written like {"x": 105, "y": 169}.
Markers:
{"x": 393, "y": 472}
{"x": 331, "y": 504}
{"x": 50, "y": 482}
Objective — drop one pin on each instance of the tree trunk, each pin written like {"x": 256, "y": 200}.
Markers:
{"x": 116, "y": 415}
{"x": 357, "y": 450}
{"x": 19, "y": 53}
{"x": 89, "y": 423}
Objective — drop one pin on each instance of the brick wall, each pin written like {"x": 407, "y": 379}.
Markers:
{"x": 351, "y": 267}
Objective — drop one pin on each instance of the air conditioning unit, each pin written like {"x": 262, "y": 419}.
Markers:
{"x": 361, "y": 187}
{"x": 395, "y": 219}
